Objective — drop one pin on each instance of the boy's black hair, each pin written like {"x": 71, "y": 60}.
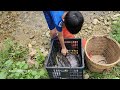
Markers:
{"x": 73, "y": 21}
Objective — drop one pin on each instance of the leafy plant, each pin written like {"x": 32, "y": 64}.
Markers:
{"x": 116, "y": 29}
{"x": 13, "y": 63}
{"x": 113, "y": 74}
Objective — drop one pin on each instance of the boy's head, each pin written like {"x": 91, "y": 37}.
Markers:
{"x": 73, "y": 21}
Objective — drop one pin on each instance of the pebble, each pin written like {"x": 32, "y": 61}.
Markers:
{"x": 95, "y": 21}
{"x": 86, "y": 76}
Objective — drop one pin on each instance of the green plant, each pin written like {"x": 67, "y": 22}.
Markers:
{"x": 116, "y": 29}
{"x": 113, "y": 74}
{"x": 13, "y": 63}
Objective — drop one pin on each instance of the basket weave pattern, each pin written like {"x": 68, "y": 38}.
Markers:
{"x": 104, "y": 46}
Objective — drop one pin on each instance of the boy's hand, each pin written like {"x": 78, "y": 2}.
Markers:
{"x": 64, "y": 51}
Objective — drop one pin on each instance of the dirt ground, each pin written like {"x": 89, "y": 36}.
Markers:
{"x": 30, "y": 26}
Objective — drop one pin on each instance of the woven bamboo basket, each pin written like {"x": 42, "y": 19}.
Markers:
{"x": 102, "y": 53}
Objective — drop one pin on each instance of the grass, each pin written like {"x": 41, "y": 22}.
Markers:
{"x": 13, "y": 63}
{"x": 115, "y": 72}
{"x": 116, "y": 30}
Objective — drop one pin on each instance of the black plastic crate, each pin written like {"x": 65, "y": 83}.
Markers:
{"x": 73, "y": 45}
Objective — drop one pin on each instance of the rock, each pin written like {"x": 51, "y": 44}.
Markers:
{"x": 32, "y": 53}
{"x": 108, "y": 29}
{"x": 116, "y": 15}
{"x": 45, "y": 53}
{"x": 86, "y": 30}
{"x": 95, "y": 21}
{"x": 1, "y": 26}
{"x": 101, "y": 18}
{"x": 47, "y": 34}
{"x": 26, "y": 31}
{"x": 31, "y": 36}
{"x": 1, "y": 12}
{"x": 106, "y": 23}
{"x": 47, "y": 46}
{"x": 33, "y": 42}
{"x": 45, "y": 42}
{"x": 90, "y": 27}
{"x": 108, "y": 18}
{"x": 42, "y": 50}
{"x": 109, "y": 12}
{"x": 43, "y": 35}
{"x": 29, "y": 45}
{"x": 14, "y": 13}
{"x": 86, "y": 76}
{"x": 85, "y": 25}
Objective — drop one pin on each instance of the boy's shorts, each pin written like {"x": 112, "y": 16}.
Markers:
{"x": 54, "y": 19}
{"x": 49, "y": 19}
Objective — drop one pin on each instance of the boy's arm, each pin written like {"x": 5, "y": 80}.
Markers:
{"x": 57, "y": 18}
{"x": 64, "y": 51}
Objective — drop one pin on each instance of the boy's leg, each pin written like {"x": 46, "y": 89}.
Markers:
{"x": 50, "y": 23}
{"x": 53, "y": 34}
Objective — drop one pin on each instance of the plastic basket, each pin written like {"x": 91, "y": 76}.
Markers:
{"x": 73, "y": 45}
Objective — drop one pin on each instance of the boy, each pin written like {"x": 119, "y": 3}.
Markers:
{"x": 56, "y": 20}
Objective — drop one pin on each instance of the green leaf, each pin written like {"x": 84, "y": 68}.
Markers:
{"x": 116, "y": 78}
{"x": 20, "y": 66}
{"x": 17, "y": 74}
{"x": 10, "y": 76}
{"x": 25, "y": 66}
{"x": 21, "y": 78}
{"x": 19, "y": 70}
{"x": 23, "y": 62}
{"x": 34, "y": 72}
{"x": 37, "y": 76}
{"x": 37, "y": 65}
{"x": 42, "y": 72}
{"x": 28, "y": 76}
{"x": 3, "y": 75}
{"x": 8, "y": 63}
{"x": 18, "y": 63}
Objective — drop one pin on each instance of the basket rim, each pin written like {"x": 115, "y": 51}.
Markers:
{"x": 105, "y": 37}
